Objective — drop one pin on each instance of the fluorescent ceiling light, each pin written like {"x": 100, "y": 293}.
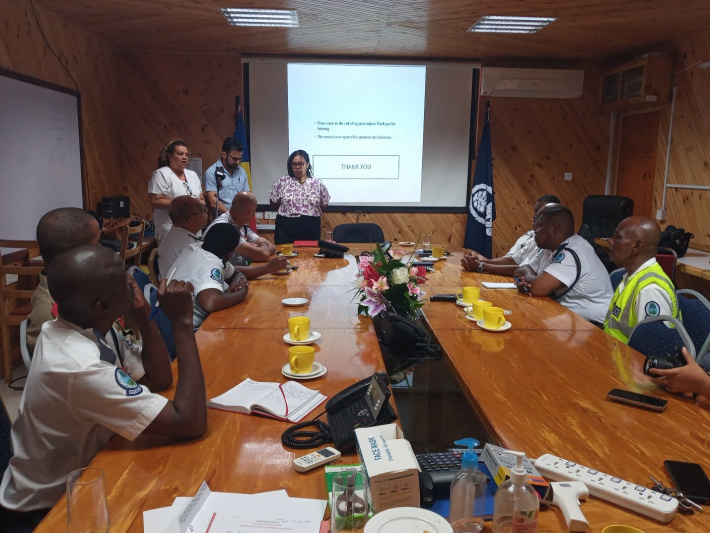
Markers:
{"x": 502, "y": 24}
{"x": 281, "y": 18}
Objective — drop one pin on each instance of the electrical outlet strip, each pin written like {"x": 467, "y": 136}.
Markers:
{"x": 640, "y": 499}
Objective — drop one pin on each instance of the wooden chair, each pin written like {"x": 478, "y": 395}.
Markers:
{"x": 153, "y": 267}
{"x": 15, "y": 304}
{"x": 125, "y": 232}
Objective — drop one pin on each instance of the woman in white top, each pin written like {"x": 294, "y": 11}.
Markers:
{"x": 172, "y": 179}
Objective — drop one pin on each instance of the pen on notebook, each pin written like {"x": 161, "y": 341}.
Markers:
{"x": 154, "y": 311}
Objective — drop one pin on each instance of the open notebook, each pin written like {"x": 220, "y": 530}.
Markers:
{"x": 290, "y": 401}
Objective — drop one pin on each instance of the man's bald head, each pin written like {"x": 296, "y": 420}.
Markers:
{"x": 243, "y": 207}
{"x": 634, "y": 242}
{"x": 88, "y": 283}
{"x": 65, "y": 228}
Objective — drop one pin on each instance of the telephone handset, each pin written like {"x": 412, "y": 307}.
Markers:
{"x": 363, "y": 404}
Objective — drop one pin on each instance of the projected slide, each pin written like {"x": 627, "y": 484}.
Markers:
{"x": 363, "y": 127}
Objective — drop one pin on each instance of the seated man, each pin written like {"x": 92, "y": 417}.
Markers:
{"x": 216, "y": 284}
{"x": 567, "y": 269}
{"x": 521, "y": 252}
{"x": 58, "y": 230}
{"x": 645, "y": 290}
{"x": 251, "y": 246}
{"x": 188, "y": 216}
{"x": 87, "y": 383}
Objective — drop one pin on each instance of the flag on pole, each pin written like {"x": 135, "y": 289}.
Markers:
{"x": 240, "y": 134}
{"x": 481, "y": 206}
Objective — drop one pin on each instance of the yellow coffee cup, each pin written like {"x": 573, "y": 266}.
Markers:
{"x": 469, "y": 294}
{"x": 300, "y": 359}
{"x": 493, "y": 317}
{"x": 437, "y": 251}
{"x": 475, "y": 311}
{"x": 286, "y": 249}
{"x": 298, "y": 327}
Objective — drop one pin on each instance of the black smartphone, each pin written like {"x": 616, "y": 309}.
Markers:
{"x": 639, "y": 400}
{"x": 689, "y": 478}
{"x": 443, "y": 298}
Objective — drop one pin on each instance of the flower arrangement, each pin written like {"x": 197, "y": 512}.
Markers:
{"x": 388, "y": 283}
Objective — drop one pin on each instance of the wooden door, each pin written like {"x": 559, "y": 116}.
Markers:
{"x": 637, "y": 160}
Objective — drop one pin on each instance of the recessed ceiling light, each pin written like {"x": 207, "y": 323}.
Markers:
{"x": 281, "y": 18}
{"x": 502, "y": 24}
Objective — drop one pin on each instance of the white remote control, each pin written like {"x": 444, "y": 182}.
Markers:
{"x": 315, "y": 459}
{"x": 643, "y": 500}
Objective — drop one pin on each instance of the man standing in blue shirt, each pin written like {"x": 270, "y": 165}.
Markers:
{"x": 226, "y": 178}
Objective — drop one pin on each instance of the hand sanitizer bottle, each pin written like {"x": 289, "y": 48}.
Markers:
{"x": 468, "y": 492}
{"x": 516, "y": 504}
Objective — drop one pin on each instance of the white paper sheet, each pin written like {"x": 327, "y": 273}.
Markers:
{"x": 497, "y": 285}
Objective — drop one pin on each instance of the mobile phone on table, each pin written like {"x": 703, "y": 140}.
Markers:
{"x": 690, "y": 479}
{"x": 639, "y": 400}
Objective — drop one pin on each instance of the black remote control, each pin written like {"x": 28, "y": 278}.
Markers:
{"x": 444, "y": 298}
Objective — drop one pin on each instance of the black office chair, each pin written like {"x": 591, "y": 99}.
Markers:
{"x": 600, "y": 216}
{"x": 362, "y": 232}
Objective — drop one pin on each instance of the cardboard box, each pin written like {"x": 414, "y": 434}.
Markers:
{"x": 392, "y": 468}
{"x": 499, "y": 463}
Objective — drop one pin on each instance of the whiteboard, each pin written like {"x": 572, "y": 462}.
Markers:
{"x": 40, "y": 161}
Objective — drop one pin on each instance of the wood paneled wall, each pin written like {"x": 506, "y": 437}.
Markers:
{"x": 690, "y": 146}
{"x": 83, "y": 58}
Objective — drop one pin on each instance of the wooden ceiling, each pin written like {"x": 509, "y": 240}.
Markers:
{"x": 588, "y": 30}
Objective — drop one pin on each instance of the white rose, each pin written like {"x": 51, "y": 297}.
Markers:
{"x": 400, "y": 275}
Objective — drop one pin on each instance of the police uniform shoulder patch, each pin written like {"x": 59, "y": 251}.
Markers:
{"x": 652, "y": 309}
{"x": 216, "y": 274}
{"x": 559, "y": 257}
{"x": 126, "y": 383}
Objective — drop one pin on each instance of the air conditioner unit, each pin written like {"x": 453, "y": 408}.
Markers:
{"x": 531, "y": 82}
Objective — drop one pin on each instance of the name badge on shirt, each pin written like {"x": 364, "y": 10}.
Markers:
{"x": 616, "y": 311}
{"x": 126, "y": 383}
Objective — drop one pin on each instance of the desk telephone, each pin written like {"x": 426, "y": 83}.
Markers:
{"x": 363, "y": 404}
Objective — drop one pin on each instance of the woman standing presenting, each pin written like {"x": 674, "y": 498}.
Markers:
{"x": 300, "y": 199}
{"x": 172, "y": 179}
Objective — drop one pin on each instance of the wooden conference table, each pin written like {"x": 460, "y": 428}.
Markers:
{"x": 539, "y": 387}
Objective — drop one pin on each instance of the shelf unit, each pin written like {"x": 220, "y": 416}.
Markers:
{"x": 645, "y": 81}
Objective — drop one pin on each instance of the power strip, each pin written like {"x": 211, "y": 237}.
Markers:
{"x": 643, "y": 500}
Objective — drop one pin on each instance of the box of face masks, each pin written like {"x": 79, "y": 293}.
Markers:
{"x": 391, "y": 467}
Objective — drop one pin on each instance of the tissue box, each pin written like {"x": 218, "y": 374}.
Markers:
{"x": 392, "y": 468}
{"x": 499, "y": 463}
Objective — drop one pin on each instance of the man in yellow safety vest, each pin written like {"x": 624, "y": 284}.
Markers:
{"x": 645, "y": 289}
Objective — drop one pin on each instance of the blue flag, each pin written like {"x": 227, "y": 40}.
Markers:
{"x": 481, "y": 206}
{"x": 240, "y": 134}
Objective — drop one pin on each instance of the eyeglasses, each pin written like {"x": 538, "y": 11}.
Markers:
{"x": 205, "y": 210}
{"x": 299, "y": 165}
{"x": 187, "y": 188}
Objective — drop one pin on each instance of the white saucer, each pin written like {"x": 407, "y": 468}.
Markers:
{"x": 460, "y": 302}
{"x": 469, "y": 317}
{"x": 429, "y": 259}
{"x": 294, "y": 302}
{"x": 318, "y": 255}
{"x": 294, "y": 254}
{"x": 409, "y": 519}
{"x": 505, "y": 326}
{"x": 406, "y": 243}
{"x": 317, "y": 371}
{"x": 312, "y": 337}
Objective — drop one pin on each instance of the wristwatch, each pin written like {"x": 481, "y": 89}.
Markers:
{"x": 480, "y": 266}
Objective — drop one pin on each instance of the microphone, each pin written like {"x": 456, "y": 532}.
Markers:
{"x": 219, "y": 176}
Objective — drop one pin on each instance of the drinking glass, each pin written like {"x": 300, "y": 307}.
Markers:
{"x": 329, "y": 236}
{"x": 87, "y": 510}
{"x": 426, "y": 241}
{"x": 349, "y": 503}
